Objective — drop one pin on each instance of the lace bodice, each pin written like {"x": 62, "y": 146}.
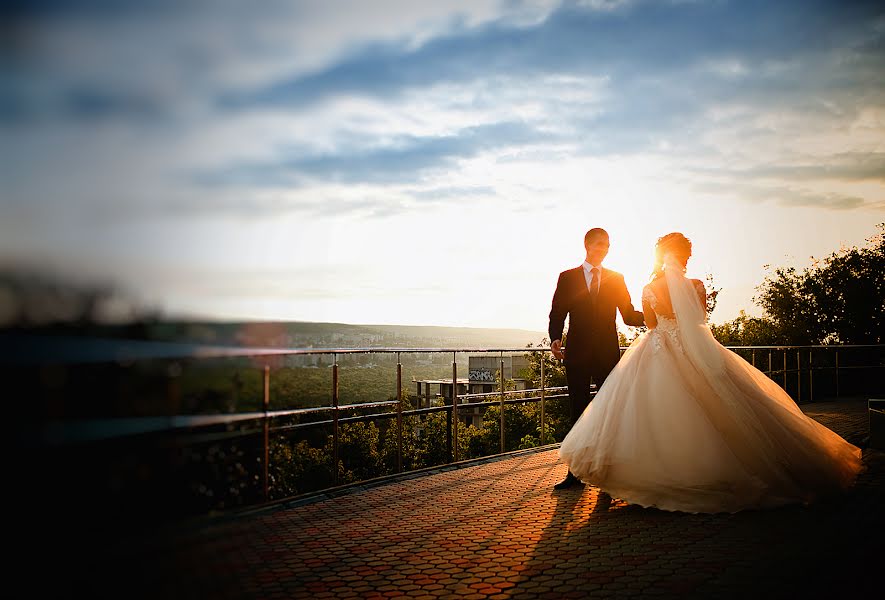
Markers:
{"x": 662, "y": 310}
{"x": 667, "y": 330}
{"x": 649, "y": 297}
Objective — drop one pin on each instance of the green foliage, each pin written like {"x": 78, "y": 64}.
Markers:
{"x": 747, "y": 331}
{"x": 712, "y": 294}
{"x": 838, "y": 299}
{"x": 431, "y": 446}
{"x": 554, "y": 369}
{"x": 358, "y": 452}
{"x": 299, "y": 468}
{"x": 556, "y": 416}
{"x": 522, "y": 422}
{"x": 843, "y": 296}
{"x": 367, "y": 450}
{"x": 237, "y": 385}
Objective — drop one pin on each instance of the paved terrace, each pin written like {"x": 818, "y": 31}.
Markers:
{"x": 497, "y": 529}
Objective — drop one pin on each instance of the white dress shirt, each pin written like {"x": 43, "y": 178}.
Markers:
{"x": 588, "y": 276}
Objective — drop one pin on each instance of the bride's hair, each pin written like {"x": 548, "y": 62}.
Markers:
{"x": 674, "y": 244}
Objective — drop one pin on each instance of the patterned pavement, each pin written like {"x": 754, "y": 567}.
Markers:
{"x": 497, "y": 529}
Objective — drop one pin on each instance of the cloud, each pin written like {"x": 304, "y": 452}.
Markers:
{"x": 639, "y": 41}
{"x": 446, "y": 193}
{"x": 846, "y": 166}
{"x": 661, "y": 69}
{"x": 742, "y": 189}
{"x": 406, "y": 97}
{"x": 182, "y": 146}
{"x": 401, "y": 160}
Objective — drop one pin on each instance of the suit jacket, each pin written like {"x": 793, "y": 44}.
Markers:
{"x": 592, "y": 334}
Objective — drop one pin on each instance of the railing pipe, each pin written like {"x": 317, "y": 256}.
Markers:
{"x": 454, "y": 418}
{"x": 502, "y": 403}
{"x": 265, "y": 463}
{"x": 542, "y": 399}
{"x": 335, "y": 418}
{"x": 811, "y": 375}
{"x": 837, "y": 373}
{"x": 785, "y": 369}
{"x": 399, "y": 414}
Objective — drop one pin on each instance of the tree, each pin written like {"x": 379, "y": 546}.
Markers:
{"x": 358, "y": 451}
{"x": 520, "y": 420}
{"x": 557, "y": 415}
{"x": 554, "y": 369}
{"x": 556, "y": 410}
{"x": 298, "y": 467}
{"x": 838, "y": 299}
{"x": 747, "y": 331}
{"x": 712, "y": 294}
{"x": 431, "y": 447}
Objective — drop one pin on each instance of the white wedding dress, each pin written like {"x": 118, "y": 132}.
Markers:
{"x": 682, "y": 423}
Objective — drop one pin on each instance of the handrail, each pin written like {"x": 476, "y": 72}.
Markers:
{"x": 509, "y": 392}
{"x": 20, "y": 348}
{"x": 153, "y": 424}
{"x": 59, "y": 432}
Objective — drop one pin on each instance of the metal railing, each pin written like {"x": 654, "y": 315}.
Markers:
{"x": 59, "y": 433}
{"x": 807, "y": 363}
{"x": 779, "y": 365}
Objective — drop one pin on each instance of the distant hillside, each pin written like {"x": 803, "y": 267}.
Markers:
{"x": 295, "y": 334}
{"x": 40, "y": 302}
{"x": 300, "y": 334}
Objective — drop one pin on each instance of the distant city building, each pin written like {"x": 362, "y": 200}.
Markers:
{"x": 482, "y": 372}
{"x": 483, "y": 378}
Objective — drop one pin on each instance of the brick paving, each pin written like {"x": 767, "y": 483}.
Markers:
{"x": 497, "y": 529}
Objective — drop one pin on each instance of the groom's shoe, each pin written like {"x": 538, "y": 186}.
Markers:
{"x": 568, "y": 482}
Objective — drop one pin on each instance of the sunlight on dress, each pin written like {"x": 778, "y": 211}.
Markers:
{"x": 684, "y": 424}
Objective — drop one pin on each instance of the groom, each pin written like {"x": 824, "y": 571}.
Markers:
{"x": 589, "y": 295}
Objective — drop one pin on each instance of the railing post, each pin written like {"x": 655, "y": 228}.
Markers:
{"x": 542, "y": 397}
{"x": 455, "y": 453}
{"x": 785, "y": 369}
{"x": 335, "y": 418}
{"x": 399, "y": 414}
{"x": 837, "y": 373}
{"x": 811, "y": 374}
{"x": 502, "y": 403}
{"x": 753, "y": 357}
{"x": 770, "y": 371}
{"x": 798, "y": 375}
{"x": 265, "y": 470}
{"x": 450, "y": 452}
{"x": 173, "y": 390}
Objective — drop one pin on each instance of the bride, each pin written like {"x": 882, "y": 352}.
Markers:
{"x": 684, "y": 424}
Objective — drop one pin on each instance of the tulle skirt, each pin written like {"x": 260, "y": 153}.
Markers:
{"x": 661, "y": 434}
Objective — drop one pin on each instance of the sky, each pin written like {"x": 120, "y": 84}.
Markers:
{"x": 432, "y": 163}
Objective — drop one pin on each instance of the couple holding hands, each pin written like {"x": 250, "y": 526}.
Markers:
{"x": 679, "y": 422}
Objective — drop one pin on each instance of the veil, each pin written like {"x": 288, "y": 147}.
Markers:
{"x": 742, "y": 428}
{"x": 758, "y": 421}
{"x": 699, "y": 344}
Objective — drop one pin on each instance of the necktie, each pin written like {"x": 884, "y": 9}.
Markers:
{"x": 594, "y": 282}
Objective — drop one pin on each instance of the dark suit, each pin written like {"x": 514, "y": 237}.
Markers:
{"x": 592, "y": 345}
